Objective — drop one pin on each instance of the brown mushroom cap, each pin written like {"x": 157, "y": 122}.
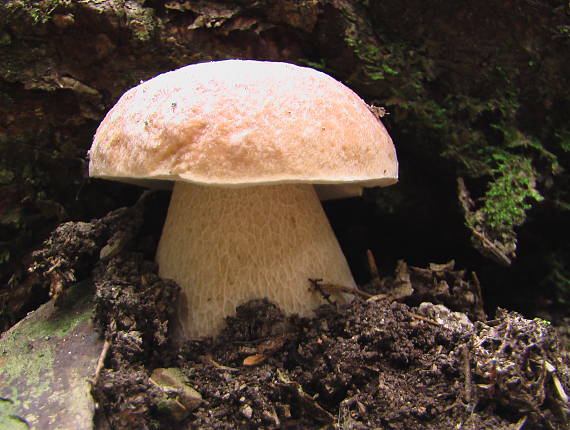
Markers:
{"x": 242, "y": 122}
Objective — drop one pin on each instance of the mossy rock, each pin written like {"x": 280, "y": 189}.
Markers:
{"x": 45, "y": 362}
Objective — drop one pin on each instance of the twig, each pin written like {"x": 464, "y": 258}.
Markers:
{"x": 559, "y": 389}
{"x": 421, "y": 317}
{"x": 53, "y": 267}
{"x": 557, "y": 384}
{"x": 378, "y": 297}
{"x": 491, "y": 247}
{"x": 325, "y": 289}
{"x": 373, "y": 268}
{"x": 317, "y": 285}
{"x": 467, "y": 372}
{"x": 483, "y": 243}
{"x": 207, "y": 359}
{"x": 477, "y": 286}
{"x": 101, "y": 361}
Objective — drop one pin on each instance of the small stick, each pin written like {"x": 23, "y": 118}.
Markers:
{"x": 325, "y": 289}
{"x": 560, "y": 389}
{"x": 378, "y": 297}
{"x": 477, "y": 286}
{"x": 373, "y": 267}
{"x": 317, "y": 285}
{"x": 53, "y": 267}
{"x": 557, "y": 384}
{"x": 101, "y": 361}
{"x": 421, "y": 317}
{"x": 207, "y": 359}
{"x": 492, "y": 248}
{"x": 467, "y": 372}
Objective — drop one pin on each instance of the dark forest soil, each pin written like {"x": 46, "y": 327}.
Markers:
{"x": 398, "y": 358}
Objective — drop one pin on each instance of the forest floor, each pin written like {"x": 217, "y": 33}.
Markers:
{"x": 414, "y": 350}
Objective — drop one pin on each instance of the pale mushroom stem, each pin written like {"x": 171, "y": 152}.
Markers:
{"x": 225, "y": 246}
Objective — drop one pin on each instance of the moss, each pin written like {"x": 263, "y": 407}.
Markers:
{"x": 141, "y": 21}
{"x": 9, "y": 418}
{"x": 40, "y": 11}
{"x": 36, "y": 363}
{"x": 35, "y": 371}
{"x": 493, "y": 111}
{"x": 504, "y": 205}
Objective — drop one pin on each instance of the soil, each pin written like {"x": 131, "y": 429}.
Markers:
{"x": 401, "y": 355}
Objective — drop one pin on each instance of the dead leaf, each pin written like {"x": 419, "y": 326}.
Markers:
{"x": 254, "y": 360}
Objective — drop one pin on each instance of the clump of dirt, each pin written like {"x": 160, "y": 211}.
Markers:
{"x": 73, "y": 249}
{"x": 438, "y": 284}
{"x": 375, "y": 364}
{"x": 518, "y": 364}
{"x": 126, "y": 399}
{"x": 133, "y": 307}
{"x": 387, "y": 360}
{"x": 371, "y": 364}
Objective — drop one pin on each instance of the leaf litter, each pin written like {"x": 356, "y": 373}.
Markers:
{"x": 410, "y": 351}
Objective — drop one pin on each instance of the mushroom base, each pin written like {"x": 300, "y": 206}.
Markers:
{"x": 226, "y": 246}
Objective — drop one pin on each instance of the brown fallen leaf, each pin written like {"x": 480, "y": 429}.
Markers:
{"x": 254, "y": 360}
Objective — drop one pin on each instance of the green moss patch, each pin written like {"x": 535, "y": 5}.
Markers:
{"x": 44, "y": 365}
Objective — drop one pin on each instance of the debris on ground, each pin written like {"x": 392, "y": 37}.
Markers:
{"x": 410, "y": 351}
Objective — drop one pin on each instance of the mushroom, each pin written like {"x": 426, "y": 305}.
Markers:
{"x": 244, "y": 141}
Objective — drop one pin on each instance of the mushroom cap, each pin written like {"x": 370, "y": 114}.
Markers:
{"x": 244, "y": 122}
